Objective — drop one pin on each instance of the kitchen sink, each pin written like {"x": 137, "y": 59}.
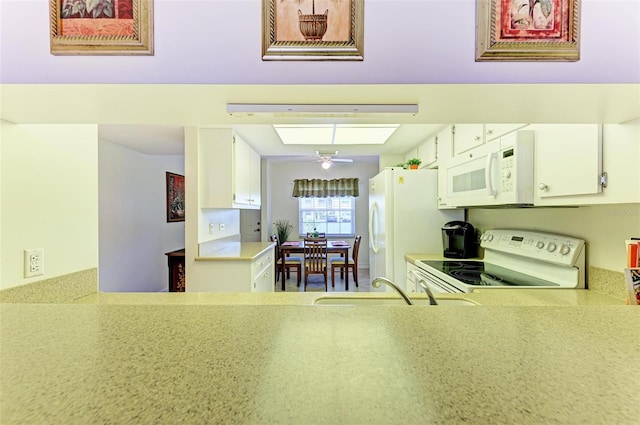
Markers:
{"x": 389, "y": 301}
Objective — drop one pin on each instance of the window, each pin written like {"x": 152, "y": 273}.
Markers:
{"x": 334, "y": 216}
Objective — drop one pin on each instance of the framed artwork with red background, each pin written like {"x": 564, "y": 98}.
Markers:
{"x": 101, "y": 27}
{"x": 527, "y": 30}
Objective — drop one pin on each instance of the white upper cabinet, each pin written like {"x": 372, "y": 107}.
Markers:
{"x": 466, "y": 137}
{"x": 568, "y": 162}
{"x": 428, "y": 152}
{"x": 444, "y": 140}
{"x": 229, "y": 171}
{"x": 247, "y": 175}
{"x": 495, "y": 131}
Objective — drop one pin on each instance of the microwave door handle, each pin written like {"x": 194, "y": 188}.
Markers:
{"x": 488, "y": 172}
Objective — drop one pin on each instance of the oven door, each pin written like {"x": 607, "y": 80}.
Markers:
{"x": 434, "y": 283}
{"x": 473, "y": 178}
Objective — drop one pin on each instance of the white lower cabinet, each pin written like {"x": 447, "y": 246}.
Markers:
{"x": 231, "y": 275}
{"x": 412, "y": 285}
{"x": 262, "y": 272}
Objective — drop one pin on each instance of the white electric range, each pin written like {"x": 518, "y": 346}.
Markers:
{"x": 512, "y": 259}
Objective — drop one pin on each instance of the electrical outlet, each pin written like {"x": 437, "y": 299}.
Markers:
{"x": 33, "y": 262}
{"x": 221, "y": 227}
{"x": 212, "y": 228}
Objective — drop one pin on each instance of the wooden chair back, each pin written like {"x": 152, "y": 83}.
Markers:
{"x": 356, "y": 248}
{"x": 315, "y": 250}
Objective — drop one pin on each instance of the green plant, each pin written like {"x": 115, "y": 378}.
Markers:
{"x": 283, "y": 229}
{"x": 414, "y": 161}
{"x": 401, "y": 165}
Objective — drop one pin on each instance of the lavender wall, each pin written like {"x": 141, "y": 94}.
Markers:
{"x": 406, "y": 41}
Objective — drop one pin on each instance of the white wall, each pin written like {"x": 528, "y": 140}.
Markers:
{"x": 281, "y": 205}
{"x": 49, "y": 178}
{"x": 133, "y": 229}
{"x": 405, "y": 41}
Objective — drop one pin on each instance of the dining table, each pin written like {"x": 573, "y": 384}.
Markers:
{"x": 297, "y": 247}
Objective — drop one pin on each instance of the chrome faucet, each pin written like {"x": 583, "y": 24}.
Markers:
{"x": 425, "y": 288}
{"x": 378, "y": 280}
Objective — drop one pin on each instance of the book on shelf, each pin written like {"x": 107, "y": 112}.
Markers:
{"x": 632, "y": 276}
{"x": 633, "y": 252}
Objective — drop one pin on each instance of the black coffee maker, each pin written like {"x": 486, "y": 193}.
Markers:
{"x": 459, "y": 240}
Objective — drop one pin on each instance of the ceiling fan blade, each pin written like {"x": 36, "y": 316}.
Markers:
{"x": 342, "y": 160}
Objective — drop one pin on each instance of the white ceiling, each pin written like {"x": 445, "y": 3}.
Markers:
{"x": 150, "y": 118}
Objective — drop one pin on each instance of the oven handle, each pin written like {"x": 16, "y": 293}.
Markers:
{"x": 439, "y": 287}
{"x": 488, "y": 171}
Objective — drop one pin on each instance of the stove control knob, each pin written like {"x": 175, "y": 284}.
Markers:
{"x": 551, "y": 247}
{"x": 539, "y": 244}
{"x": 489, "y": 237}
{"x": 564, "y": 250}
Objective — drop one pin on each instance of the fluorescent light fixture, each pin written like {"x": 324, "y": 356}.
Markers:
{"x": 335, "y": 134}
{"x": 275, "y": 109}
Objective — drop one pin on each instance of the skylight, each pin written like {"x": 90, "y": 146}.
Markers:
{"x": 335, "y": 134}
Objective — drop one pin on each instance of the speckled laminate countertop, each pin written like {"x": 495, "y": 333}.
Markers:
{"x": 300, "y": 364}
{"x": 233, "y": 251}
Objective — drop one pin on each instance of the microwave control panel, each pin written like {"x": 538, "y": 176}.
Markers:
{"x": 506, "y": 170}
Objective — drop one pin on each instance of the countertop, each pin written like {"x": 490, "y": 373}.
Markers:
{"x": 200, "y": 359}
{"x": 233, "y": 251}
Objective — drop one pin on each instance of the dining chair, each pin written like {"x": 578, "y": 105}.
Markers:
{"x": 346, "y": 263}
{"x": 315, "y": 259}
{"x": 289, "y": 262}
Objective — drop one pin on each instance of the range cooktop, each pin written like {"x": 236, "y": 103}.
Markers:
{"x": 479, "y": 273}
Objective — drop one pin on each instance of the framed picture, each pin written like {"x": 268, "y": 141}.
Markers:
{"x": 312, "y": 29}
{"x": 101, "y": 27}
{"x": 527, "y": 30}
{"x": 175, "y": 197}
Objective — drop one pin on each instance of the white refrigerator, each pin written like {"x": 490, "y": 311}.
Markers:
{"x": 404, "y": 218}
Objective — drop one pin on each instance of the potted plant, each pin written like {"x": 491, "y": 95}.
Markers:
{"x": 401, "y": 165}
{"x": 413, "y": 163}
{"x": 283, "y": 229}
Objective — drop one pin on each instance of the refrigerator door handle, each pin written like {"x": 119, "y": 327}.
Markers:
{"x": 374, "y": 226}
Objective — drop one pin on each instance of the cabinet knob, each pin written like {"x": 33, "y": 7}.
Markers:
{"x": 543, "y": 186}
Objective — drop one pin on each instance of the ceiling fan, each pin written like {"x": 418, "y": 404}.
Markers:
{"x": 327, "y": 159}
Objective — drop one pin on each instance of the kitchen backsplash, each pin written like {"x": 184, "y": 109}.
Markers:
{"x": 608, "y": 282}
{"x": 59, "y": 289}
{"x": 604, "y": 227}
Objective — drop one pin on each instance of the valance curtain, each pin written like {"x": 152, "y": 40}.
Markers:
{"x": 318, "y": 188}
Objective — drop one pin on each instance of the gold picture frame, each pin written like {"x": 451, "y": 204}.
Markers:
{"x": 313, "y": 30}
{"x": 101, "y": 27}
{"x": 513, "y": 30}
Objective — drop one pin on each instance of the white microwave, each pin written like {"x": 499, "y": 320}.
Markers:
{"x": 497, "y": 173}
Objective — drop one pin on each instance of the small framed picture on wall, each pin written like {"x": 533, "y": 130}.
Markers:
{"x": 175, "y": 197}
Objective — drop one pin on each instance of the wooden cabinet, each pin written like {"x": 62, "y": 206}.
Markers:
{"x": 229, "y": 171}
{"x": 568, "y": 162}
{"x": 177, "y": 273}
